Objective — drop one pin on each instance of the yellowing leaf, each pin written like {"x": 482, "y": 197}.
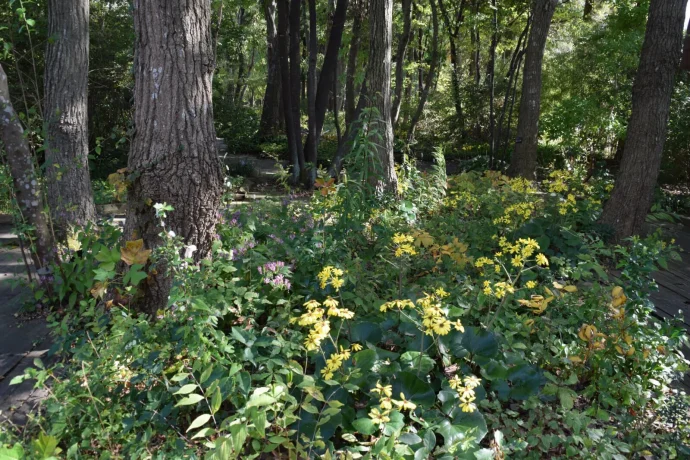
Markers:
{"x": 73, "y": 242}
{"x": 134, "y": 253}
{"x": 617, "y": 291}
{"x": 570, "y": 289}
{"x": 99, "y": 289}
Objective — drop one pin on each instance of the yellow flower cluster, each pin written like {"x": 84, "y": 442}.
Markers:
{"x": 522, "y": 185}
{"x": 569, "y": 204}
{"x": 521, "y": 250}
{"x": 516, "y": 213}
{"x": 336, "y": 360}
{"x": 331, "y": 275}
{"x": 498, "y": 290}
{"x": 381, "y": 414}
{"x": 433, "y": 317}
{"x": 558, "y": 182}
{"x": 317, "y": 317}
{"x": 397, "y": 305}
{"x": 465, "y": 388}
{"x": 403, "y": 244}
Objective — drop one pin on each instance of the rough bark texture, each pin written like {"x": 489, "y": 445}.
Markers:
{"x": 271, "y": 116}
{"x": 403, "y": 41}
{"x": 378, "y": 83}
{"x": 26, "y": 182}
{"x": 429, "y": 76}
{"x": 491, "y": 76}
{"x": 66, "y": 113}
{"x": 327, "y": 77}
{"x": 524, "y": 160}
{"x": 296, "y": 84}
{"x": 350, "y": 91}
{"x": 632, "y": 195}
{"x": 173, "y": 155}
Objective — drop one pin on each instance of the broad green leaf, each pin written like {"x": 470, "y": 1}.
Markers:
{"x": 199, "y": 421}
{"x": 189, "y": 400}
{"x": 186, "y": 389}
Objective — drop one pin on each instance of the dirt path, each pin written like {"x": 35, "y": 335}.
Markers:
{"x": 21, "y": 340}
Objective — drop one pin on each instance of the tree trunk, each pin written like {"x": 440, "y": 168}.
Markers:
{"x": 241, "y": 70}
{"x": 311, "y": 147}
{"x": 633, "y": 192}
{"x": 296, "y": 84}
{"x": 378, "y": 83}
{"x": 350, "y": 91}
{"x": 492, "y": 86}
{"x": 292, "y": 136}
{"x": 173, "y": 156}
{"x": 524, "y": 160}
{"x": 429, "y": 76}
{"x": 453, "y": 30}
{"x": 327, "y": 76}
{"x": 685, "y": 61}
{"x": 403, "y": 41}
{"x": 587, "y": 13}
{"x": 66, "y": 112}
{"x": 271, "y": 114}
{"x": 26, "y": 182}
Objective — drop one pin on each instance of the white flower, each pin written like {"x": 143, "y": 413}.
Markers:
{"x": 189, "y": 251}
{"x": 171, "y": 234}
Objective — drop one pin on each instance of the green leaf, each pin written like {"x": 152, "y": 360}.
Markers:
{"x": 186, "y": 389}
{"x": 134, "y": 275}
{"x": 260, "y": 400}
{"x": 199, "y": 421}
{"x": 365, "y": 359}
{"x": 189, "y": 400}
{"x": 45, "y": 447}
{"x": 414, "y": 389}
{"x": 566, "y": 397}
{"x": 480, "y": 342}
{"x": 416, "y": 361}
{"x": 15, "y": 453}
{"x": 364, "y": 426}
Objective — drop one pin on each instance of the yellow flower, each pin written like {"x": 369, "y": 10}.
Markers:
{"x": 356, "y": 347}
{"x": 386, "y": 390}
{"x": 404, "y": 404}
{"x": 472, "y": 382}
{"x": 337, "y": 283}
{"x": 312, "y": 304}
{"x": 542, "y": 260}
{"x": 378, "y": 417}
{"x": 516, "y": 262}
{"x": 330, "y": 302}
{"x": 455, "y": 382}
{"x": 468, "y": 407}
{"x": 531, "y": 284}
{"x": 458, "y": 326}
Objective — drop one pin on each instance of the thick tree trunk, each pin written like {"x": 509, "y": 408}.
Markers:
{"x": 524, "y": 160}
{"x": 633, "y": 192}
{"x": 311, "y": 147}
{"x": 173, "y": 156}
{"x": 293, "y": 137}
{"x": 271, "y": 116}
{"x": 66, "y": 112}
{"x": 403, "y": 41}
{"x": 327, "y": 77}
{"x": 429, "y": 77}
{"x": 378, "y": 83}
{"x": 296, "y": 84}
{"x": 26, "y": 182}
{"x": 350, "y": 91}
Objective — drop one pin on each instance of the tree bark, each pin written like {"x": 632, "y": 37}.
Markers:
{"x": 429, "y": 81}
{"x": 311, "y": 147}
{"x": 350, "y": 91}
{"x": 403, "y": 41}
{"x": 296, "y": 84}
{"x": 270, "y": 123}
{"x": 378, "y": 83}
{"x": 293, "y": 137}
{"x": 66, "y": 112}
{"x": 524, "y": 160}
{"x": 327, "y": 77}
{"x": 633, "y": 192}
{"x": 587, "y": 13}
{"x": 492, "y": 85}
{"x": 26, "y": 182}
{"x": 173, "y": 156}
{"x": 453, "y": 30}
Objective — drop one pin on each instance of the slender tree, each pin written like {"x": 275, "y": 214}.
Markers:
{"x": 430, "y": 76}
{"x": 632, "y": 195}
{"x": 291, "y": 127}
{"x": 453, "y": 31}
{"x": 26, "y": 182}
{"x": 685, "y": 61}
{"x": 296, "y": 84}
{"x": 378, "y": 83}
{"x": 173, "y": 156}
{"x": 311, "y": 147}
{"x": 355, "y": 40}
{"x": 524, "y": 160}
{"x": 271, "y": 117}
{"x": 66, "y": 113}
{"x": 403, "y": 41}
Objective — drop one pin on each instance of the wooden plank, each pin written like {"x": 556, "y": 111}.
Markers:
{"x": 668, "y": 304}
{"x": 8, "y": 362}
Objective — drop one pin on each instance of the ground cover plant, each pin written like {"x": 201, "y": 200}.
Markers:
{"x": 477, "y": 321}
